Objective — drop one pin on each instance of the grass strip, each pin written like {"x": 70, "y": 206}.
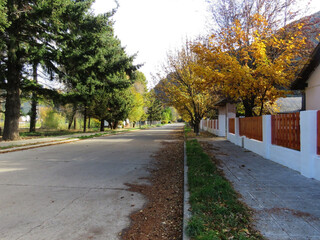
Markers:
{"x": 92, "y": 136}
{"x": 40, "y": 133}
{"x": 216, "y": 211}
{"x": 7, "y": 147}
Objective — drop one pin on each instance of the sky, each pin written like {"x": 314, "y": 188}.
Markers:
{"x": 152, "y": 28}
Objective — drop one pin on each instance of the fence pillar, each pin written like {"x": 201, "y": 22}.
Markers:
{"x": 266, "y": 134}
{"x": 308, "y": 139}
{"x": 222, "y": 125}
{"x": 236, "y": 126}
{"x": 240, "y": 139}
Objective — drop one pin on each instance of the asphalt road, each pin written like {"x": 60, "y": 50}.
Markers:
{"x": 76, "y": 190}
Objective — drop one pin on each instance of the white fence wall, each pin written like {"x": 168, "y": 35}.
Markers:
{"x": 306, "y": 161}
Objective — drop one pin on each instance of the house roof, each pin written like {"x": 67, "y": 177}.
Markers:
{"x": 301, "y": 81}
{"x": 289, "y": 104}
{"x": 222, "y": 102}
{"x": 285, "y": 105}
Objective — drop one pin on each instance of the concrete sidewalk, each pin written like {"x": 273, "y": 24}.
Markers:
{"x": 286, "y": 204}
{"x": 41, "y": 141}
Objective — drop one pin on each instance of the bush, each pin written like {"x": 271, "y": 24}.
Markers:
{"x": 53, "y": 120}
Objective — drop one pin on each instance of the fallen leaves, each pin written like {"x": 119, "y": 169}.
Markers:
{"x": 161, "y": 218}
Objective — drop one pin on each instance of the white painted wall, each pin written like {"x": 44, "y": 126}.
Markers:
{"x": 313, "y": 91}
{"x": 286, "y": 157}
{"x": 306, "y": 161}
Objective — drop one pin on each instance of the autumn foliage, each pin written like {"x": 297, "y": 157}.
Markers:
{"x": 185, "y": 90}
{"x": 252, "y": 64}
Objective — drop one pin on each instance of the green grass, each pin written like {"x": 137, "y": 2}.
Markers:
{"x": 94, "y": 135}
{"x": 187, "y": 129}
{"x": 7, "y": 147}
{"x": 41, "y": 133}
{"x": 216, "y": 211}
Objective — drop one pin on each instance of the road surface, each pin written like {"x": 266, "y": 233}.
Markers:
{"x": 76, "y": 190}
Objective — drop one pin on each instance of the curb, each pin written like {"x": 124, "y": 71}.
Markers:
{"x": 50, "y": 143}
{"x": 55, "y": 142}
{"x": 37, "y": 145}
{"x": 186, "y": 205}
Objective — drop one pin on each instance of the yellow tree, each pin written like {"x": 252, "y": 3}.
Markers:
{"x": 137, "y": 110}
{"x": 253, "y": 65}
{"x": 138, "y": 91}
{"x": 185, "y": 90}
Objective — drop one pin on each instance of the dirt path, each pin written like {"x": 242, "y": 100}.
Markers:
{"x": 161, "y": 218}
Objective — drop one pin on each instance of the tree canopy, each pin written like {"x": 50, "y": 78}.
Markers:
{"x": 254, "y": 67}
{"x": 69, "y": 43}
{"x": 183, "y": 89}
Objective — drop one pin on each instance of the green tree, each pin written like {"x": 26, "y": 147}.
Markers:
{"x": 166, "y": 115}
{"x": 3, "y": 16}
{"x": 112, "y": 107}
{"x": 138, "y": 91}
{"x": 154, "y": 107}
{"x": 29, "y": 22}
{"x": 94, "y": 62}
{"x": 137, "y": 108}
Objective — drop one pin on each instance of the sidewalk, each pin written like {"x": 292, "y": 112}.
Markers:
{"x": 286, "y": 204}
{"x": 8, "y": 146}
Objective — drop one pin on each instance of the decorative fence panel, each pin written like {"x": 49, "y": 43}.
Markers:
{"x": 211, "y": 124}
{"x": 318, "y": 132}
{"x": 286, "y": 130}
{"x": 251, "y": 127}
{"x": 216, "y": 124}
{"x": 231, "y": 125}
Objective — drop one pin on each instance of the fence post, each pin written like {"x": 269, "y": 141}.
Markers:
{"x": 266, "y": 134}
{"x": 308, "y": 141}
{"x": 222, "y": 125}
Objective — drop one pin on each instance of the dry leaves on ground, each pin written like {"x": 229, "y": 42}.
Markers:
{"x": 162, "y": 216}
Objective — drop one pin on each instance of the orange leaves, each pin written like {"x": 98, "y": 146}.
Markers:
{"x": 250, "y": 62}
{"x": 186, "y": 87}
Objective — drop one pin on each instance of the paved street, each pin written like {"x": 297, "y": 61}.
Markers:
{"x": 75, "y": 190}
{"x": 285, "y": 203}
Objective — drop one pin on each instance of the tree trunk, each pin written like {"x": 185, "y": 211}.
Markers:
{"x": 73, "y": 118}
{"x": 85, "y": 119}
{"x": 102, "y": 125}
{"x": 12, "y": 114}
{"x": 70, "y": 124}
{"x": 196, "y": 127}
{"x": 115, "y": 124}
{"x": 89, "y": 123}
{"x": 134, "y": 124}
{"x": 248, "y": 108}
{"x": 34, "y": 102}
{"x": 74, "y": 123}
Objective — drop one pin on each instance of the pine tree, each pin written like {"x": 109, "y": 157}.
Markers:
{"x": 33, "y": 25}
{"x": 94, "y": 62}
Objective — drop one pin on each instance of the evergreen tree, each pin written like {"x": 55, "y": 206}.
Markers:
{"x": 113, "y": 107}
{"x": 154, "y": 107}
{"x": 33, "y": 25}
{"x": 94, "y": 62}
